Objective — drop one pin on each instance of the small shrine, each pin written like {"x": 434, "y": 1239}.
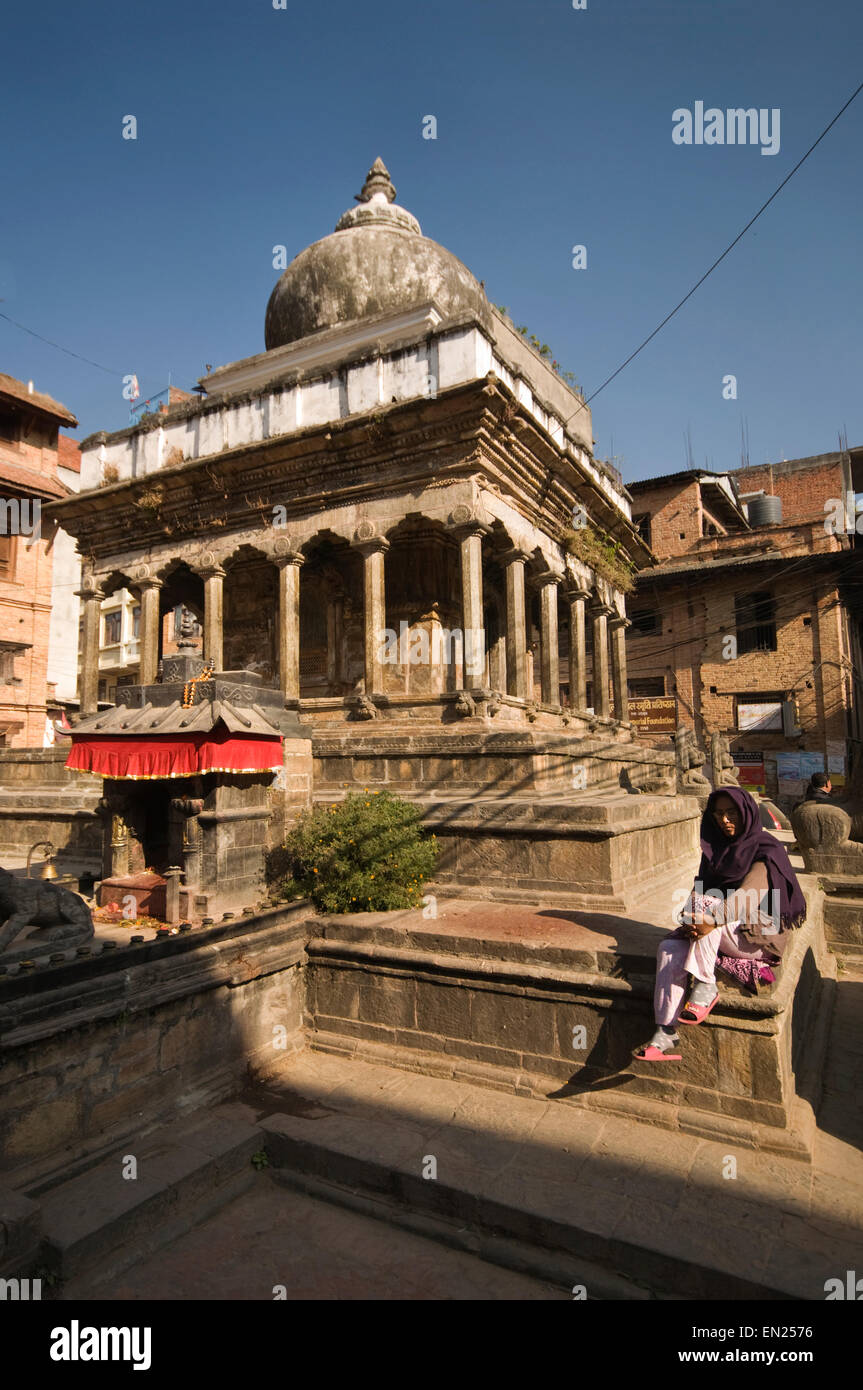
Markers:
{"x": 194, "y": 769}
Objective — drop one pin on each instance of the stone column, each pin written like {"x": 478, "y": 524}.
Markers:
{"x": 599, "y": 615}
{"x": 375, "y": 617}
{"x": 577, "y": 599}
{"x": 213, "y": 645}
{"x": 516, "y": 624}
{"x": 88, "y": 694}
{"x": 289, "y": 624}
{"x": 549, "y": 654}
{"x": 473, "y": 644}
{"x": 618, "y": 626}
{"x": 148, "y": 662}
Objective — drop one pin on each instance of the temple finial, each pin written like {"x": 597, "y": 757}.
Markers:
{"x": 377, "y": 181}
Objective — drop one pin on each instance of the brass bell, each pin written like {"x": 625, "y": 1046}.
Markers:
{"x": 49, "y": 871}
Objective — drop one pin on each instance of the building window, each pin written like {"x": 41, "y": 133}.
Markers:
{"x": 642, "y": 526}
{"x": 755, "y": 620}
{"x": 113, "y": 627}
{"x": 7, "y": 668}
{"x": 645, "y": 621}
{"x": 7, "y": 557}
{"x": 136, "y": 620}
{"x": 10, "y": 425}
{"x": 647, "y": 687}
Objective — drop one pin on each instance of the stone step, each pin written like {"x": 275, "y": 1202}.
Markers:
{"x": 99, "y": 1223}
{"x": 564, "y": 1194}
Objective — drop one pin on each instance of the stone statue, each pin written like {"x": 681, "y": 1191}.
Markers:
{"x": 823, "y": 832}
{"x": 725, "y": 772}
{"x": 62, "y": 917}
{"x": 465, "y": 704}
{"x": 188, "y": 628}
{"x": 365, "y": 707}
{"x": 690, "y": 760}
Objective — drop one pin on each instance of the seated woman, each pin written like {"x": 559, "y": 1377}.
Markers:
{"x": 745, "y": 900}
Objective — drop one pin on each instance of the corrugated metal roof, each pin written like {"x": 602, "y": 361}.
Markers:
{"x": 125, "y": 720}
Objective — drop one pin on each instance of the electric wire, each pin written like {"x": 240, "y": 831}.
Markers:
{"x": 718, "y": 260}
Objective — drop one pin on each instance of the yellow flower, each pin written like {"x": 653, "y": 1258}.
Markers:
{"x": 314, "y": 871}
{"x": 371, "y": 875}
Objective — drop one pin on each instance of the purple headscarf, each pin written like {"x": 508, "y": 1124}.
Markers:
{"x": 725, "y": 863}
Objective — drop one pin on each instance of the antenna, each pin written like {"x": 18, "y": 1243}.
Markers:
{"x": 687, "y": 439}
{"x": 744, "y": 442}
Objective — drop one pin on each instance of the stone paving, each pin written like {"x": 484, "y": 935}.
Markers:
{"x": 315, "y": 1250}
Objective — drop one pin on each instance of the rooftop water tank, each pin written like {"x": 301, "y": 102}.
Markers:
{"x": 765, "y": 510}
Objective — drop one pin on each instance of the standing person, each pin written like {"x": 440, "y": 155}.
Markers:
{"x": 745, "y": 900}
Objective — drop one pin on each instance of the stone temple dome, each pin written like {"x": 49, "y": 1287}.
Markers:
{"x": 376, "y": 261}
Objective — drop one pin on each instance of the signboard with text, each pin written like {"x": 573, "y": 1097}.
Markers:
{"x": 751, "y": 768}
{"x": 654, "y": 714}
{"x": 760, "y": 716}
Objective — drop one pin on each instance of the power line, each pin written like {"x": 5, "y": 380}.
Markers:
{"x": 719, "y": 259}
{"x": 112, "y": 371}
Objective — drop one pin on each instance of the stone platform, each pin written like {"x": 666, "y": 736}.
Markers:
{"x": 579, "y": 851}
{"x": 497, "y": 995}
{"x": 484, "y": 1002}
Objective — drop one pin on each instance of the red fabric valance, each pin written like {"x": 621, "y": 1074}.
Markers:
{"x": 174, "y": 755}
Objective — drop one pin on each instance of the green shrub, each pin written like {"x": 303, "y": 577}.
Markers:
{"x": 367, "y": 853}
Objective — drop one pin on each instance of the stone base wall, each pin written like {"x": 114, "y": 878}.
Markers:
{"x": 506, "y": 763}
{"x": 41, "y": 800}
{"x": 101, "y": 1050}
{"x": 843, "y": 915}
{"x": 587, "y": 853}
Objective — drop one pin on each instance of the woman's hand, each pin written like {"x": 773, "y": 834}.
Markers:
{"x": 702, "y": 928}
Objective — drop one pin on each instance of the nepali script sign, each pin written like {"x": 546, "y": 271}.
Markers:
{"x": 654, "y": 714}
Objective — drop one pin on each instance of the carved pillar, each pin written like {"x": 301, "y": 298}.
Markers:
{"x": 599, "y": 615}
{"x": 618, "y": 626}
{"x": 473, "y": 644}
{"x": 289, "y": 623}
{"x": 497, "y": 649}
{"x": 549, "y": 654}
{"x": 577, "y": 599}
{"x": 88, "y": 693}
{"x": 516, "y": 624}
{"x": 148, "y": 662}
{"x": 335, "y": 637}
{"x": 213, "y": 578}
{"x": 375, "y": 618}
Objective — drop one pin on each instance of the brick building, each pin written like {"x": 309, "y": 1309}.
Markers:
{"x": 751, "y": 620}
{"x": 29, "y": 429}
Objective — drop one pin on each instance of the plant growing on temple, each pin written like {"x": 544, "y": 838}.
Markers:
{"x": 150, "y": 499}
{"x": 368, "y": 853}
{"x": 603, "y": 554}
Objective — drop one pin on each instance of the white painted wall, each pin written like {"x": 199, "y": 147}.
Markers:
{"x": 65, "y": 605}
{"x": 433, "y": 364}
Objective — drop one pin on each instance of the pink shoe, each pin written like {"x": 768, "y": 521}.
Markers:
{"x": 697, "y": 1012}
{"x": 649, "y": 1053}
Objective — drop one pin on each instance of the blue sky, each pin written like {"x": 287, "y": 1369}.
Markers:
{"x": 256, "y": 127}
